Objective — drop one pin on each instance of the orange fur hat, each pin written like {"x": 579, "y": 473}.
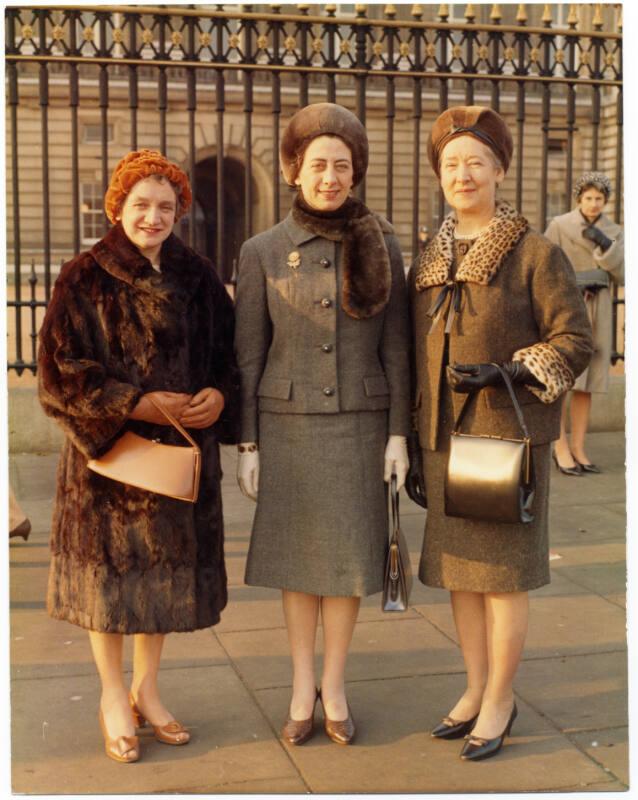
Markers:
{"x": 136, "y": 166}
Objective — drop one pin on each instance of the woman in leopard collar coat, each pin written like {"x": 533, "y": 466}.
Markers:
{"x": 488, "y": 289}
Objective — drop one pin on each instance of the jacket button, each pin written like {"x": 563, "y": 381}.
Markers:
{"x": 325, "y": 262}
{"x": 326, "y": 302}
{"x": 328, "y": 391}
{"x": 327, "y": 348}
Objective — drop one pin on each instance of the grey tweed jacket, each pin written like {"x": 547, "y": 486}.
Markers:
{"x": 298, "y": 351}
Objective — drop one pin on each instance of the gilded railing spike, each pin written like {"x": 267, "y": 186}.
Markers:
{"x": 597, "y": 21}
{"x": 331, "y": 8}
{"x": 303, "y": 7}
{"x": 572, "y": 18}
{"x": 546, "y": 19}
{"x": 444, "y": 11}
{"x": 417, "y": 11}
{"x": 469, "y": 12}
{"x": 390, "y": 11}
{"x": 521, "y": 14}
{"x": 361, "y": 9}
{"x": 495, "y": 13}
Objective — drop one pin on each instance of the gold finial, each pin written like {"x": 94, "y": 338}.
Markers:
{"x": 521, "y": 14}
{"x": 303, "y": 7}
{"x": 390, "y": 11}
{"x": 331, "y": 9}
{"x": 275, "y": 7}
{"x": 546, "y": 19}
{"x": 597, "y": 21}
{"x": 495, "y": 14}
{"x": 444, "y": 11}
{"x": 469, "y": 12}
{"x": 361, "y": 9}
{"x": 417, "y": 11}
{"x": 572, "y": 18}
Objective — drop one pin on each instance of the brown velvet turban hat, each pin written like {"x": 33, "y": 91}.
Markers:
{"x": 480, "y": 122}
{"x": 322, "y": 119}
{"x": 136, "y": 166}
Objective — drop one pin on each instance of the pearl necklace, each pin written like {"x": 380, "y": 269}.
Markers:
{"x": 468, "y": 236}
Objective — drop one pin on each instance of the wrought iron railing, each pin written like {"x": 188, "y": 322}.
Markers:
{"x": 345, "y": 57}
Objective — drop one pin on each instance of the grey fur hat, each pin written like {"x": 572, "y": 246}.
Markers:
{"x": 598, "y": 180}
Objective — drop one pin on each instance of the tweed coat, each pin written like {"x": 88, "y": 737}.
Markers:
{"x": 125, "y": 560}
{"x": 518, "y": 301}
{"x": 298, "y": 351}
{"x": 566, "y": 231}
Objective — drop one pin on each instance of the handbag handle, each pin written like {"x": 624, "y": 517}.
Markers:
{"x": 508, "y": 383}
{"x": 174, "y": 422}
{"x": 394, "y": 497}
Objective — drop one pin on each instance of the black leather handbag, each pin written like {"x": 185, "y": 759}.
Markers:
{"x": 397, "y": 581}
{"x": 490, "y": 478}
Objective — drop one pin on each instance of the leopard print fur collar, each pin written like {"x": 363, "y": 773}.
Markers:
{"x": 482, "y": 261}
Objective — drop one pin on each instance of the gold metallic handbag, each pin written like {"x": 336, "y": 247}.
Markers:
{"x": 397, "y": 581}
{"x": 488, "y": 477}
{"x": 148, "y": 464}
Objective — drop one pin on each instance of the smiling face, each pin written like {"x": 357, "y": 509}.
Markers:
{"x": 591, "y": 203}
{"x": 469, "y": 176}
{"x": 148, "y": 215}
{"x": 325, "y": 176}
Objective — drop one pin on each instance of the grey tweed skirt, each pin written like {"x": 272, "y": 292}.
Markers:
{"x": 321, "y": 521}
{"x": 473, "y": 556}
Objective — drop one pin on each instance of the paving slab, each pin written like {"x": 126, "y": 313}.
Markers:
{"x": 609, "y": 748}
{"x": 232, "y": 742}
{"x": 379, "y": 649}
{"x": 397, "y": 754}
{"x": 558, "y": 625}
{"x": 578, "y": 524}
{"x": 577, "y": 693}
{"x": 601, "y": 579}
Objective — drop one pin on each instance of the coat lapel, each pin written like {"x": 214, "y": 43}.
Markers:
{"x": 485, "y": 257}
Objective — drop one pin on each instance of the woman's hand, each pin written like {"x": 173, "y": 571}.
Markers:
{"x": 248, "y": 470}
{"x": 204, "y": 409}
{"x": 396, "y": 460}
{"x": 173, "y": 402}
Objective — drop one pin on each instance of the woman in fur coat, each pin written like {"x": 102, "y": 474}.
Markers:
{"x": 139, "y": 317}
{"x": 322, "y": 344}
{"x": 488, "y": 290}
{"x": 595, "y": 247}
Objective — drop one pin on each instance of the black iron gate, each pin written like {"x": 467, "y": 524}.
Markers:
{"x": 395, "y": 66}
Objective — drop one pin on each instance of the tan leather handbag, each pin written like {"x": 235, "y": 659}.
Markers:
{"x": 490, "y": 478}
{"x": 147, "y": 464}
{"x": 397, "y": 581}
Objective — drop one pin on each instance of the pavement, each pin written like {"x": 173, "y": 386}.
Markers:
{"x": 231, "y": 684}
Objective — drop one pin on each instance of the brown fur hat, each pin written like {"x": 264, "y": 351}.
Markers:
{"x": 140, "y": 164}
{"x": 480, "y": 122}
{"x": 322, "y": 119}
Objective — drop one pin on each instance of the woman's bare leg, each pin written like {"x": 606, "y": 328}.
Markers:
{"x": 506, "y": 616}
{"x": 468, "y": 609}
{"x": 107, "y": 651}
{"x": 561, "y": 445}
{"x": 301, "y": 612}
{"x": 581, "y": 406}
{"x": 144, "y": 688}
{"x": 338, "y": 618}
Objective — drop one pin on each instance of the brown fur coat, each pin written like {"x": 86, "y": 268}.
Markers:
{"x": 125, "y": 560}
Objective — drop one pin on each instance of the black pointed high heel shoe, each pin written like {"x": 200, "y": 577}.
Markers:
{"x": 573, "y": 471}
{"x": 589, "y": 467}
{"x": 477, "y": 749}
{"x": 449, "y": 728}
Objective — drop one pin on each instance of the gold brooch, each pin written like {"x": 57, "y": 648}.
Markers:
{"x": 294, "y": 259}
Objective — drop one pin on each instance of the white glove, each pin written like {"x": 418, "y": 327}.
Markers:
{"x": 396, "y": 460}
{"x": 248, "y": 471}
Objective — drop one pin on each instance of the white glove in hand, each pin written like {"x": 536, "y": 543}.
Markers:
{"x": 396, "y": 460}
{"x": 248, "y": 472}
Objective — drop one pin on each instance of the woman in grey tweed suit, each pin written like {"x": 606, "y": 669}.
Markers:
{"x": 488, "y": 289}
{"x": 322, "y": 343}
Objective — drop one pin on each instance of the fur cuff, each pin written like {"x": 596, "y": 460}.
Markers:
{"x": 549, "y": 367}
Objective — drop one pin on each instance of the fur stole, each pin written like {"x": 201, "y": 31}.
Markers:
{"x": 482, "y": 261}
{"x": 367, "y": 276}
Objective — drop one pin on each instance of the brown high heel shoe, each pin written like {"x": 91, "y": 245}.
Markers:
{"x": 298, "y": 731}
{"x": 124, "y": 749}
{"x": 171, "y": 733}
{"x": 341, "y": 731}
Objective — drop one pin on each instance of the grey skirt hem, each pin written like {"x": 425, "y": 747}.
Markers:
{"x": 463, "y": 586}
{"x": 306, "y": 587}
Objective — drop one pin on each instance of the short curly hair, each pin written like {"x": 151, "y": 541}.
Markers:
{"x": 140, "y": 164}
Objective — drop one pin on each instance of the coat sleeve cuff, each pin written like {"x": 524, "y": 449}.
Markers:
{"x": 549, "y": 367}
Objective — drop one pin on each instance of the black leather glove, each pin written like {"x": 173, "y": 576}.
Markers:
{"x": 414, "y": 481}
{"x": 465, "y": 378}
{"x": 595, "y": 235}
